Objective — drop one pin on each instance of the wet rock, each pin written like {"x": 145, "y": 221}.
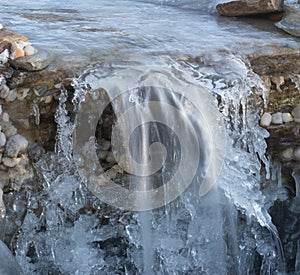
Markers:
{"x": 265, "y": 120}
{"x": 15, "y": 145}
{"x": 2, "y": 139}
{"x": 291, "y": 20}
{"x": 17, "y": 51}
{"x": 10, "y": 162}
{"x": 277, "y": 118}
{"x": 29, "y": 50}
{"x": 287, "y": 117}
{"x": 287, "y": 154}
{"x": 8, "y": 37}
{"x": 35, "y": 62}
{"x": 296, "y": 113}
{"x": 248, "y": 7}
{"x": 104, "y": 144}
{"x": 8, "y": 265}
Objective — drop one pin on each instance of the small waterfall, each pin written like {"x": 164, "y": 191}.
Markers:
{"x": 137, "y": 210}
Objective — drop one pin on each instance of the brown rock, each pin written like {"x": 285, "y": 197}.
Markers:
{"x": 8, "y": 37}
{"x": 17, "y": 51}
{"x": 249, "y": 7}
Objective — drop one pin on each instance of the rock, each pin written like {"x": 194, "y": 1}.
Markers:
{"x": 2, "y": 139}
{"x": 287, "y": 154}
{"x": 17, "y": 51}
{"x": 4, "y": 91}
{"x": 287, "y": 117}
{"x": 10, "y": 162}
{"x": 8, "y": 129}
{"x": 110, "y": 157}
{"x": 5, "y": 117}
{"x": 1, "y": 26}
{"x": 104, "y": 144}
{"x": 8, "y": 37}
{"x": 8, "y": 266}
{"x": 265, "y": 120}
{"x": 291, "y": 20}
{"x": 4, "y": 56}
{"x": 29, "y": 50}
{"x": 12, "y": 95}
{"x": 15, "y": 144}
{"x": 297, "y": 153}
{"x": 277, "y": 118}
{"x": 248, "y": 7}
{"x": 296, "y": 113}
{"x": 30, "y": 63}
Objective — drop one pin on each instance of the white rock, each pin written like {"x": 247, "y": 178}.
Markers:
{"x": 5, "y": 117}
{"x": 297, "y": 153}
{"x": 4, "y": 56}
{"x": 277, "y": 118}
{"x": 29, "y": 50}
{"x": 265, "y": 120}
{"x": 287, "y": 117}
{"x": 296, "y": 113}
{"x": 15, "y": 144}
{"x": 1, "y": 26}
{"x": 287, "y": 154}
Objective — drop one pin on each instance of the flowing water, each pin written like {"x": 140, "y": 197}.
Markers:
{"x": 185, "y": 196}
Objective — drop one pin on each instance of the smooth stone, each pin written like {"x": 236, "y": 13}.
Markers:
{"x": 10, "y": 162}
{"x": 9, "y": 265}
{"x": 8, "y": 129}
{"x": 31, "y": 63}
{"x": 296, "y": 113}
{"x": 277, "y": 118}
{"x": 287, "y": 154}
{"x": 12, "y": 96}
{"x": 297, "y": 153}
{"x": 247, "y": 7}
{"x": 4, "y": 91}
{"x": 2, "y": 139}
{"x": 102, "y": 155}
{"x": 15, "y": 144}
{"x": 291, "y": 21}
{"x": 5, "y": 117}
{"x": 287, "y": 117}
{"x": 265, "y": 120}
{"x": 29, "y": 50}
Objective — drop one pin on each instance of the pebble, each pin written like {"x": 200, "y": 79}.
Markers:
{"x": 48, "y": 99}
{"x": 15, "y": 144}
{"x": 297, "y": 153}
{"x": 266, "y": 120}
{"x": 8, "y": 129}
{"x": 17, "y": 51}
{"x": 12, "y": 95}
{"x": 4, "y": 91}
{"x": 29, "y": 50}
{"x": 287, "y": 117}
{"x": 2, "y": 139}
{"x": 287, "y": 154}
{"x": 102, "y": 155}
{"x": 10, "y": 162}
{"x": 296, "y": 113}
{"x": 5, "y": 117}
{"x": 277, "y": 118}
{"x": 4, "y": 56}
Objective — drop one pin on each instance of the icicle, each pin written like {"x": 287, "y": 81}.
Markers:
{"x": 279, "y": 176}
{"x": 296, "y": 177}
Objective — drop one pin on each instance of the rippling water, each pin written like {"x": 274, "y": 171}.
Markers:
{"x": 93, "y": 30}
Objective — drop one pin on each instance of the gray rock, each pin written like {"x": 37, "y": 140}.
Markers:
{"x": 291, "y": 21}
{"x": 8, "y": 264}
{"x": 15, "y": 144}
{"x": 35, "y": 62}
{"x": 10, "y": 162}
{"x": 2, "y": 139}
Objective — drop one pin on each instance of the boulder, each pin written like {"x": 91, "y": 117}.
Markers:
{"x": 249, "y": 7}
{"x": 291, "y": 21}
{"x": 31, "y": 63}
